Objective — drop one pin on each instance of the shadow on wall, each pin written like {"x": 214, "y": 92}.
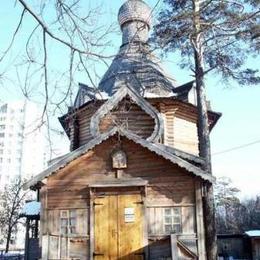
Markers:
{"x": 159, "y": 250}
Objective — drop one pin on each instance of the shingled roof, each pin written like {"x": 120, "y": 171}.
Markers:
{"x": 140, "y": 63}
{"x": 135, "y": 57}
{"x": 136, "y": 60}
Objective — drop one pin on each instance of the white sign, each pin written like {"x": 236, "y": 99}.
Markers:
{"x": 129, "y": 215}
{"x": 129, "y": 211}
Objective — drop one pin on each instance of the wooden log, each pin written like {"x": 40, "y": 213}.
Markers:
{"x": 199, "y": 221}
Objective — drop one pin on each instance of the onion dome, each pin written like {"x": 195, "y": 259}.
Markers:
{"x": 134, "y": 58}
{"x": 135, "y": 18}
{"x": 135, "y": 10}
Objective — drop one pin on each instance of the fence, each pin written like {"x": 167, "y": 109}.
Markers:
{"x": 15, "y": 255}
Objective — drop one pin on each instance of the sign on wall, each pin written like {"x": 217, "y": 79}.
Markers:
{"x": 129, "y": 215}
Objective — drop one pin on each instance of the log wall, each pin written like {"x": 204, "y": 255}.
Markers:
{"x": 180, "y": 127}
{"x": 129, "y": 116}
{"x": 84, "y": 118}
{"x": 180, "y": 123}
{"x": 168, "y": 184}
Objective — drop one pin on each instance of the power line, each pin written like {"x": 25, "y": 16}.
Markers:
{"x": 236, "y": 148}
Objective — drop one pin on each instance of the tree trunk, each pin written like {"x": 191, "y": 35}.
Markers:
{"x": 8, "y": 240}
{"x": 203, "y": 125}
{"x": 203, "y": 134}
{"x": 204, "y": 148}
{"x": 210, "y": 225}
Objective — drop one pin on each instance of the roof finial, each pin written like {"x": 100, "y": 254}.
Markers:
{"x": 134, "y": 18}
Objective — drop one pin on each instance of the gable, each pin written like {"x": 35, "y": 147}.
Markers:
{"x": 166, "y": 181}
{"x": 127, "y": 91}
{"x": 130, "y": 116}
{"x": 165, "y": 156}
{"x": 141, "y": 162}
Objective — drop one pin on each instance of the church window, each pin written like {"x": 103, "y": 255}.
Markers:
{"x": 68, "y": 222}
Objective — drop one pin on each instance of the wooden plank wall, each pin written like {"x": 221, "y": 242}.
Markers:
{"x": 79, "y": 125}
{"x": 66, "y": 246}
{"x": 73, "y": 132}
{"x": 155, "y": 226}
{"x": 185, "y": 135}
{"x": 84, "y": 118}
{"x": 58, "y": 246}
{"x": 160, "y": 249}
{"x": 131, "y": 117}
{"x": 168, "y": 185}
{"x": 180, "y": 123}
{"x": 180, "y": 128}
{"x": 256, "y": 248}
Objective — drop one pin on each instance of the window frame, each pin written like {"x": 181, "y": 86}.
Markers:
{"x": 68, "y": 216}
{"x": 173, "y": 215}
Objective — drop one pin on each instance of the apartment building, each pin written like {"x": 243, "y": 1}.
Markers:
{"x": 22, "y": 141}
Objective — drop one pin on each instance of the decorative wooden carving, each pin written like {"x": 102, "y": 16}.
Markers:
{"x": 119, "y": 160}
{"x": 127, "y": 90}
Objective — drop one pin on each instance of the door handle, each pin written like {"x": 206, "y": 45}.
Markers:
{"x": 97, "y": 204}
{"x": 139, "y": 202}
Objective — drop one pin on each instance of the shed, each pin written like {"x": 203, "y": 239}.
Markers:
{"x": 31, "y": 211}
{"x": 254, "y": 236}
{"x": 236, "y": 246}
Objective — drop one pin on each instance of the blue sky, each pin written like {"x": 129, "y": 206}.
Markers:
{"x": 240, "y": 123}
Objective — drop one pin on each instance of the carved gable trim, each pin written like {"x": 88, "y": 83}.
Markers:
{"x": 127, "y": 90}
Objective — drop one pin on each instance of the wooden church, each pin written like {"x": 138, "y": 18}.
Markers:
{"x": 132, "y": 185}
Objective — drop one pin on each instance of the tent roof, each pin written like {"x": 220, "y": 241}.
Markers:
{"x": 31, "y": 208}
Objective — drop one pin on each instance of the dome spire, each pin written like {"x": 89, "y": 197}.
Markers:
{"x": 135, "y": 17}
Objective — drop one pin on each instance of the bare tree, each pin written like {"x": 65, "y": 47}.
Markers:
{"x": 66, "y": 40}
{"x": 12, "y": 201}
{"x": 232, "y": 214}
{"x": 227, "y": 202}
{"x": 249, "y": 215}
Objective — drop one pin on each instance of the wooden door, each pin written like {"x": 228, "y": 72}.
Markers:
{"x": 105, "y": 228}
{"x": 118, "y": 227}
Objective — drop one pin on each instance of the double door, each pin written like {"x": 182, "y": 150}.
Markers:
{"x": 118, "y": 227}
